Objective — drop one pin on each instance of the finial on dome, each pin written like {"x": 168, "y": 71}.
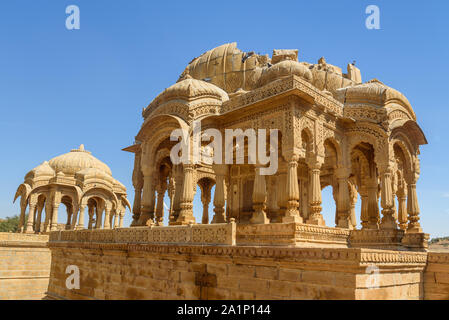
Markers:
{"x": 81, "y": 147}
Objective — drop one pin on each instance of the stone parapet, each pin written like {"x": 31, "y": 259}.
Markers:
{"x": 213, "y": 234}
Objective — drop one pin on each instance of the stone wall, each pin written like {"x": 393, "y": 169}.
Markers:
{"x": 164, "y": 271}
{"x": 436, "y": 277}
{"x": 24, "y": 266}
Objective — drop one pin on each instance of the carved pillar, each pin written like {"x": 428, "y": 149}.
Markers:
{"x": 148, "y": 200}
{"x": 388, "y": 221}
{"x": 373, "y": 205}
{"x": 23, "y": 206}
{"x": 69, "y": 216}
{"x": 161, "y": 188}
{"x": 343, "y": 200}
{"x": 91, "y": 212}
{"x": 48, "y": 213}
{"x": 31, "y": 212}
{"x": 171, "y": 195}
{"x": 259, "y": 199}
{"x": 186, "y": 201}
{"x": 99, "y": 216}
{"x": 282, "y": 190}
{"x": 402, "y": 206}
{"x": 55, "y": 207}
{"x": 219, "y": 195}
{"x": 37, "y": 223}
{"x": 80, "y": 224}
{"x": 178, "y": 183}
{"x": 413, "y": 209}
{"x": 205, "y": 200}
{"x": 107, "y": 215}
{"x": 122, "y": 214}
{"x": 138, "y": 185}
{"x": 292, "y": 192}
{"x": 364, "y": 216}
{"x": 137, "y": 204}
{"x": 315, "y": 217}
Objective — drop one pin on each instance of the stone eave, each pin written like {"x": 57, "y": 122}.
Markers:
{"x": 284, "y": 87}
{"x": 135, "y": 148}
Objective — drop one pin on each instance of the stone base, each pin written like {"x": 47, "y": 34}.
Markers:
{"x": 416, "y": 241}
{"x": 156, "y": 271}
{"x": 377, "y": 239}
{"x": 292, "y": 234}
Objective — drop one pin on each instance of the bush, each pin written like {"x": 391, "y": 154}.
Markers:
{"x": 10, "y": 224}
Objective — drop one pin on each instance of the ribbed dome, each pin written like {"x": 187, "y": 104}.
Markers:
{"x": 373, "y": 92}
{"x": 191, "y": 89}
{"x": 43, "y": 169}
{"x": 77, "y": 160}
{"x": 286, "y": 68}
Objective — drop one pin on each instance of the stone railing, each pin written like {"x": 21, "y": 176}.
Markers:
{"x": 22, "y": 237}
{"x": 201, "y": 234}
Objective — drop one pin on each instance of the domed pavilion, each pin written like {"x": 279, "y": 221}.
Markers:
{"x": 79, "y": 181}
{"x": 361, "y": 139}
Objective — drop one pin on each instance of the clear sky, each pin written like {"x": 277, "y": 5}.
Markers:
{"x": 60, "y": 88}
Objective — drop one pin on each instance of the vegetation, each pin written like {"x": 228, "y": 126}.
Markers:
{"x": 436, "y": 240}
{"x": 10, "y": 224}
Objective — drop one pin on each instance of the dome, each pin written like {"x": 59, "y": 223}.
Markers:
{"x": 227, "y": 67}
{"x": 77, "y": 160}
{"x": 191, "y": 89}
{"x": 43, "y": 169}
{"x": 286, "y": 68}
{"x": 375, "y": 93}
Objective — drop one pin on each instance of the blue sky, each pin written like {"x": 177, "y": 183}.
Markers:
{"x": 61, "y": 88}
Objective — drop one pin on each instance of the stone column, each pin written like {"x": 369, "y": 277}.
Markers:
{"x": 292, "y": 193}
{"x": 219, "y": 195}
{"x": 91, "y": 212}
{"x": 161, "y": 188}
{"x": 48, "y": 213}
{"x": 37, "y": 223}
{"x": 364, "y": 216}
{"x": 315, "y": 217}
{"x": 282, "y": 191}
{"x": 205, "y": 200}
{"x": 413, "y": 209}
{"x": 80, "y": 224}
{"x": 107, "y": 216}
{"x": 178, "y": 183}
{"x": 148, "y": 200}
{"x": 122, "y": 214}
{"x": 55, "y": 207}
{"x": 402, "y": 207}
{"x": 137, "y": 204}
{"x": 259, "y": 199}
{"x": 171, "y": 195}
{"x": 343, "y": 201}
{"x": 186, "y": 213}
{"x": 69, "y": 216}
{"x": 31, "y": 212}
{"x": 388, "y": 221}
{"x": 373, "y": 205}
{"x": 99, "y": 217}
